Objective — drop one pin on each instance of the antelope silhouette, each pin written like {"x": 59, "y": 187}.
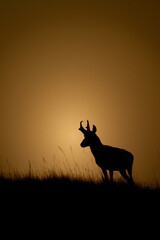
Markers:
{"x": 107, "y": 157}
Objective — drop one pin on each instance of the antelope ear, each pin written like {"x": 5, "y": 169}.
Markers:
{"x": 94, "y": 129}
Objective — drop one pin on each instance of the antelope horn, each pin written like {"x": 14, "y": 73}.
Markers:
{"x": 82, "y": 128}
{"x": 88, "y": 127}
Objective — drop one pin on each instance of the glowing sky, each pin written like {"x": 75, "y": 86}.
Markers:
{"x": 66, "y": 61}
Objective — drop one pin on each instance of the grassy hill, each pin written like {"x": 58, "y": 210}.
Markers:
{"x": 66, "y": 204}
{"x": 66, "y": 189}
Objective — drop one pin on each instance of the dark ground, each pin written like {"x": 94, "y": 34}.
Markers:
{"x": 55, "y": 191}
{"x": 62, "y": 202}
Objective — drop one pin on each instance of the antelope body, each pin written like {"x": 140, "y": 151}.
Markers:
{"x": 107, "y": 157}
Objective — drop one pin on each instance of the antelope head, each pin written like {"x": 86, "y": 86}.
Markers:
{"x": 89, "y": 136}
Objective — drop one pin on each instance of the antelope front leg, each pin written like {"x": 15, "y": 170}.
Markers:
{"x": 105, "y": 175}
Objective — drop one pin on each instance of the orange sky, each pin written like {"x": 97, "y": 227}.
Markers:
{"x": 67, "y": 61}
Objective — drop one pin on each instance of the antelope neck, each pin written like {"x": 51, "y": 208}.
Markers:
{"x": 95, "y": 148}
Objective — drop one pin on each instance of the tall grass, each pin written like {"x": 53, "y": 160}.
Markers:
{"x": 59, "y": 168}
{"x": 68, "y": 170}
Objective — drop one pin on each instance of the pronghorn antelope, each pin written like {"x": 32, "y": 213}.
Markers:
{"x": 107, "y": 157}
